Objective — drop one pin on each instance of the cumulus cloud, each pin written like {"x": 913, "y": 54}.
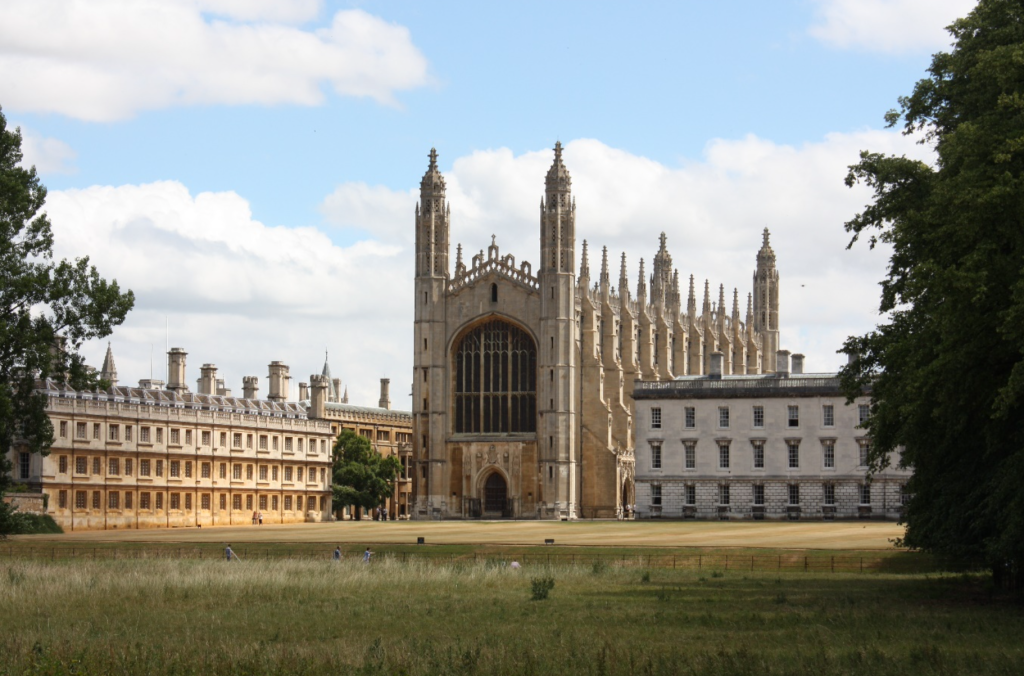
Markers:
{"x": 48, "y": 155}
{"x": 233, "y": 291}
{"x": 713, "y": 211}
{"x": 107, "y": 60}
{"x": 888, "y": 26}
{"x": 239, "y": 294}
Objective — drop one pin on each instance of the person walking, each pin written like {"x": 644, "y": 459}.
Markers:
{"x": 337, "y": 553}
{"x": 366, "y": 555}
{"x": 260, "y": 517}
{"x": 229, "y": 554}
{"x": 254, "y": 518}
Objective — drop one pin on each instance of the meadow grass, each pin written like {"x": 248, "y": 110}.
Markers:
{"x": 421, "y": 617}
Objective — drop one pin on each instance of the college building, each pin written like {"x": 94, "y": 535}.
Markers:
{"x": 784, "y": 445}
{"x": 161, "y": 456}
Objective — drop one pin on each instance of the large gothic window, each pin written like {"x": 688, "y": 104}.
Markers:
{"x": 495, "y": 380}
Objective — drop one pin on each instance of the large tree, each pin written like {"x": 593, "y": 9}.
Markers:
{"x": 362, "y": 476}
{"x": 946, "y": 366}
{"x": 47, "y": 310}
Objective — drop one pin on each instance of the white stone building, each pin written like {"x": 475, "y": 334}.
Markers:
{"x": 760, "y": 446}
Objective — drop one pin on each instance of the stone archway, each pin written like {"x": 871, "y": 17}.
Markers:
{"x": 495, "y": 494}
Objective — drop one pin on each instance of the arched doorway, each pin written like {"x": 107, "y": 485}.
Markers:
{"x": 495, "y": 494}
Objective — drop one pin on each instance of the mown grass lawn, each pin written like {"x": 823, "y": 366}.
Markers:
{"x": 309, "y": 616}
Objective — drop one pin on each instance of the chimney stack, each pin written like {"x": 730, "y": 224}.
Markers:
{"x": 318, "y": 386}
{"x": 280, "y": 382}
{"x": 250, "y": 387}
{"x": 716, "y": 365}
{"x": 385, "y": 398}
{"x": 207, "y": 383}
{"x": 176, "y": 370}
{"x": 782, "y": 363}
{"x": 798, "y": 364}
{"x": 303, "y": 391}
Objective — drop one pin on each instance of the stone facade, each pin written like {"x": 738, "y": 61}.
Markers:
{"x": 164, "y": 457}
{"x": 778, "y": 446}
{"x": 522, "y": 404}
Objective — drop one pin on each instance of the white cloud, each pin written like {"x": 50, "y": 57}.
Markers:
{"x": 235, "y": 292}
{"x": 240, "y": 294}
{"x": 48, "y": 155}
{"x": 106, "y": 60}
{"x": 888, "y": 26}
{"x": 713, "y": 211}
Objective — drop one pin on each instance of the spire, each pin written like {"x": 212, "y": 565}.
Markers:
{"x": 707, "y": 298}
{"x": 584, "y": 263}
{"x": 736, "y": 305}
{"x": 641, "y": 283}
{"x": 458, "y": 256}
{"x": 766, "y": 256}
{"x": 604, "y": 266}
{"x": 558, "y": 179}
{"x": 109, "y": 371}
{"x": 721, "y": 300}
{"x": 432, "y": 221}
{"x": 661, "y": 278}
{"x": 691, "y": 301}
{"x": 623, "y": 281}
{"x": 332, "y": 392}
{"x": 344, "y": 398}
{"x": 432, "y": 181}
{"x": 750, "y": 311}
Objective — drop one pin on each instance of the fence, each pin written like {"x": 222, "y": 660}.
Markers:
{"x": 789, "y": 562}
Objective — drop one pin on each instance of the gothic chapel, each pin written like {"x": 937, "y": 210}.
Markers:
{"x": 522, "y": 401}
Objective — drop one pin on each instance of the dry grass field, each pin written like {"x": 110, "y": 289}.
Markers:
{"x": 842, "y": 535}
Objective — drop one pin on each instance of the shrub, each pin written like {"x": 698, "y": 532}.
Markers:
{"x": 541, "y": 587}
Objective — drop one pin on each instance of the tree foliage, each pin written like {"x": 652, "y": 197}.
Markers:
{"x": 362, "y": 476}
{"x": 47, "y": 308}
{"x": 946, "y": 367}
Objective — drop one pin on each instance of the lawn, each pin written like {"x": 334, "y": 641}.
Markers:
{"x": 840, "y": 535}
{"x": 315, "y": 616}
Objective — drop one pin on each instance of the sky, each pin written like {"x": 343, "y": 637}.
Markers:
{"x": 249, "y": 168}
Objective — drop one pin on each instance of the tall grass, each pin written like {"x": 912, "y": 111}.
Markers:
{"x": 301, "y": 616}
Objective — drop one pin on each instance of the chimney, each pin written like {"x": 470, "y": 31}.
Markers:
{"x": 385, "y": 398}
{"x": 208, "y": 379}
{"x": 279, "y": 381}
{"x": 176, "y": 370}
{"x": 303, "y": 391}
{"x": 221, "y": 390}
{"x": 317, "y": 396}
{"x": 782, "y": 363}
{"x": 798, "y": 364}
{"x": 716, "y": 365}
{"x": 250, "y": 387}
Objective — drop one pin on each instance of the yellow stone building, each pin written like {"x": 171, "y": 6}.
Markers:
{"x": 157, "y": 456}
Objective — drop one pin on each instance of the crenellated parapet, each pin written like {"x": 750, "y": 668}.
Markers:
{"x": 494, "y": 262}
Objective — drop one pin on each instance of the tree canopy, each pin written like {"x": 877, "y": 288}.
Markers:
{"x": 48, "y": 308}
{"x": 946, "y": 365}
{"x": 362, "y": 477}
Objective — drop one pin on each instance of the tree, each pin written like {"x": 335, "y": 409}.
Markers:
{"x": 47, "y": 310}
{"x": 362, "y": 477}
{"x": 946, "y": 367}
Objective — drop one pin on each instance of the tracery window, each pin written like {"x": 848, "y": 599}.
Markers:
{"x": 495, "y": 380}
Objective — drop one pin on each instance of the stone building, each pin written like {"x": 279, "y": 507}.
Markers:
{"x": 157, "y": 456}
{"x": 522, "y": 383}
{"x": 389, "y": 432}
{"x": 784, "y": 445}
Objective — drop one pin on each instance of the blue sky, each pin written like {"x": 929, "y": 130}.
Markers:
{"x": 257, "y": 160}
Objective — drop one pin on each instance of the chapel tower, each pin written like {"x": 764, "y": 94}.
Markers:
{"x": 428, "y": 406}
{"x": 557, "y": 354}
{"x": 766, "y": 303}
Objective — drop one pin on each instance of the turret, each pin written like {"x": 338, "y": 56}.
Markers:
{"x": 432, "y": 227}
{"x": 207, "y": 383}
{"x": 558, "y": 219}
{"x": 317, "y": 396}
{"x": 385, "y": 397}
{"x": 250, "y": 387}
{"x": 766, "y": 302}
